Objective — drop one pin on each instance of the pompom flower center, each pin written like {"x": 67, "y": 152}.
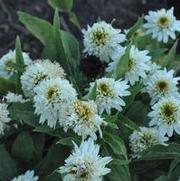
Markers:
{"x": 168, "y": 112}
{"x": 51, "y": 93}
{"x": 39, "y": 77}
{"x": 131, "y": 64}
{"x": 100, "y": 37}
{"x": 8, "y": 64}
{"x": 162, "y": 86}
{"x": 163, "y": 22}
{"x": 83, "y": 111}
{"x": 104, "y": 89}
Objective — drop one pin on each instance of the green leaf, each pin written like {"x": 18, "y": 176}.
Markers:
{"x": 62, "y": 5}
{"x": 53, "y": 160}
{"x": 23, "y": 148}
{"x": 116, "y": 144}
{"x": 136, "y": 26}
{"x": 53, "y": 177}
{"x": 170, "y": 56}
{"x": 8, "y": 168}
{"x": 40, "y": 28}
{"x": 24, "y": 112}
{"x": 6, "y": 86}
{"x": 68, "y": 141}
{"x": 135, "y": 89}
{"x": 73, "y": 18}
{"x": 162, "y": 178}
{"x": 119, "y": 170}
{"x": 122, "y": 65}
{"x": 174, "y": 170}
{"x": 160, "y": 152}
{"x": 127, "y": 122}
{"x": 20, "y": 63}
{"x": 92, "y": 94}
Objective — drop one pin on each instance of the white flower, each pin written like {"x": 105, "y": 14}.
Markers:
{"x": 38, "y": 71}
{"x": 12, "y": 97}
{"x": 102, "y": 40}
{"x": 145, "y": 138}
{"x": 84, "y": 164}
{"x": 83, "y": 118}
{"x": 161, "y": 83}
{"x": 28, "y": 176}
{"x": 6, "y": 61}
{"x": 109, "y": 93}
{"x": 4, "y": 119}
{"x": 162, "y": 24}
{"x": 138, "y": 65}
{"x": 51, "y": 97}
{"x": 165, "y": 115}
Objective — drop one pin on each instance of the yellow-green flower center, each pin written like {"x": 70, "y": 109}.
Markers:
{"x": 83, "y": 110}
{"x": 131, "y": 64}
{"x": 168, "y": 112}
{"x": 39, "y": 77}
{"x": 104, "y": 89}
{"x": 8, "y": 64}
{"x": 163, "y": 22}
{"x": 162, "y": 86}
{"x": 100, "y": 37}
{"x": 52, "y": 93}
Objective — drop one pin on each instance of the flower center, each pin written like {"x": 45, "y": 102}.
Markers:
{"x": 148, "y": 140}
{"x": 131, "y": 64}
{"x": 51, "y": 93}
{"x": 162, "y": 86}
{"x": 83, "y": 110}
{"x": 163, "y": 22}
{"x": 8, "y": 64}
{"x": 100, "y": 37}
{"x": 39, "y": 77}
{"x": 168, "y": 112}
{"x": 104, "y": 89}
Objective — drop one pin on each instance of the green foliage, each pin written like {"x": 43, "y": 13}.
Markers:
{"x": 6, "y": 86}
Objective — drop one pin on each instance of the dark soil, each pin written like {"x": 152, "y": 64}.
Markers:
{"x": 125, "y": 12}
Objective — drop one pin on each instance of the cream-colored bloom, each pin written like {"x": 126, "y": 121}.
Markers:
{"x": 82, "y": 117}
{"x": 85, "y": 163}
{"x": 38, "y": 71}
{"x": 52, "y": 96}
{"x": 143, "y": 139}
{"x": 28, "y": 176}
{"x": 4, "y": 117}
{"x": 162, "y": 24}
{"x": 6, "y": 61}
{"x": 109, "y": 94}
{"x": 165, "y": 115}
{"x": 102, "y": 41}
{"x": 12, "y": 97}
{"x": 161, "y": 83}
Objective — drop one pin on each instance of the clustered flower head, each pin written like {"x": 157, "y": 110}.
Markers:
{"x": 85, "y": 163}
{"x": 7, "y": 61}
{"x": 103, "y": 41}
{"x": 4, "y": 117}
{"x": 28, "y": 176}
{"x": 109, "y": 94}
{"x": 143, "y": 139}
{"x": 57, "y": 104}
{"x": 37, "y": 72}
{"x": 83, "y": 118}
{"x": 162, "y": 24}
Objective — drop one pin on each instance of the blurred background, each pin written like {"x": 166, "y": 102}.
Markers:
{"x": 126, "y": 13}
